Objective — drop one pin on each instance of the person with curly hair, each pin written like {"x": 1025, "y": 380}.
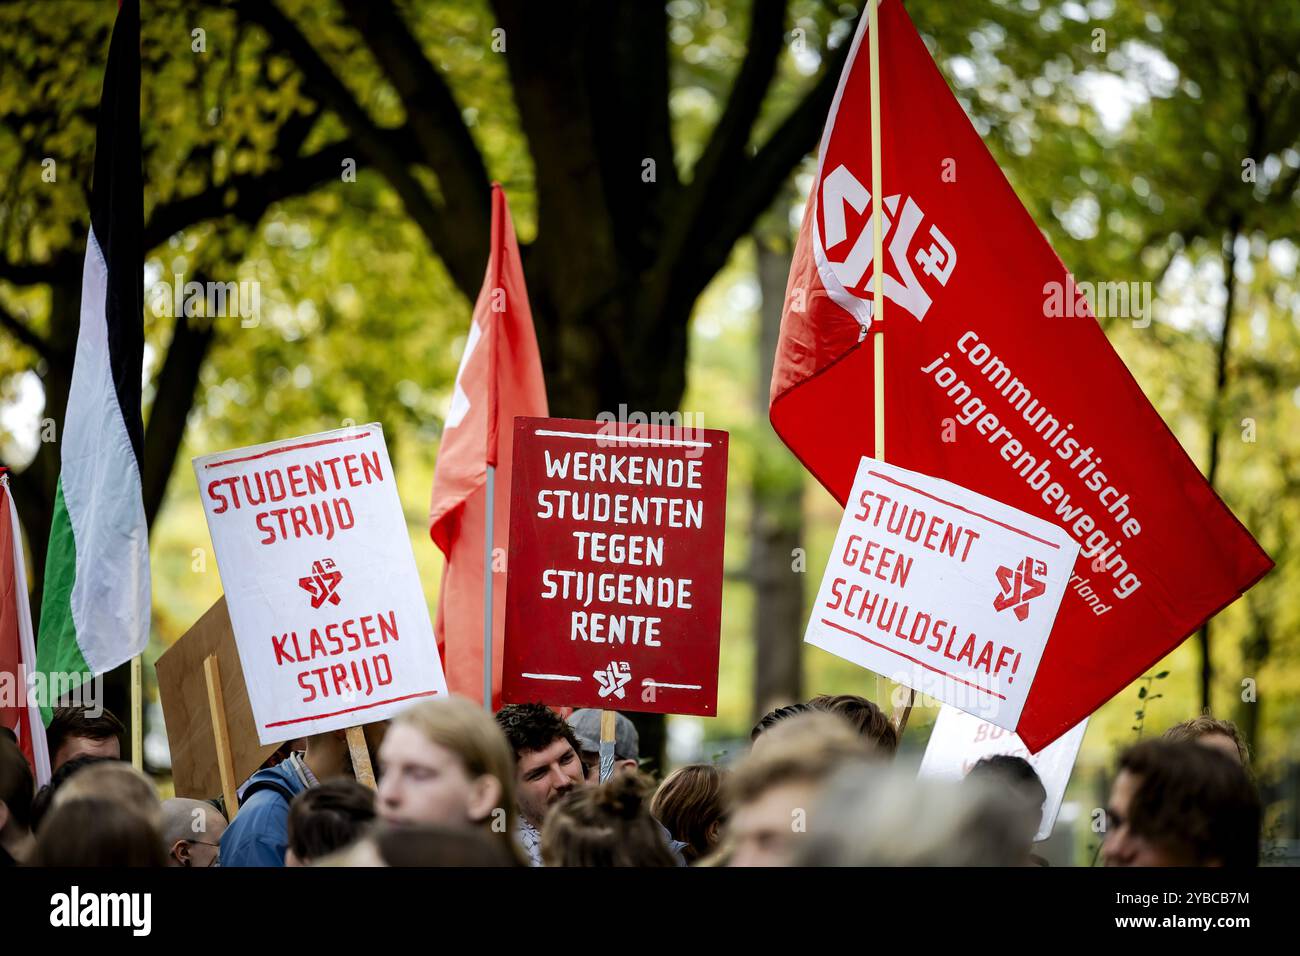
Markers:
{"x": 547, "y": 766}
{"x": 1212, "y": 732}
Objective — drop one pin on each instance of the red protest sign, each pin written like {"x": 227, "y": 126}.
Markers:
{"x": 614, "y": 592}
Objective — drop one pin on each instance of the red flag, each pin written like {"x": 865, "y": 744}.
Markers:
{"x": 18, "y": 708}
{"x": 500, "y": 377}
{"x": 997, "y": 377}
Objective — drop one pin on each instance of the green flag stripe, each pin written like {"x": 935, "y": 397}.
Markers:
{"x": 57, "y": 650}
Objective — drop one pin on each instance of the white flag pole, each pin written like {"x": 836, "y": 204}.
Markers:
{"x": 877, "y": 232}
{"x": 902, "y": 713}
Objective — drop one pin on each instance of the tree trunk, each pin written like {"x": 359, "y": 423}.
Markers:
{"x": 776, "y": 518}
{"x": 1255, "y": 649}
{"x": 36, "y": 484}
{"x": 1215, "y": 428}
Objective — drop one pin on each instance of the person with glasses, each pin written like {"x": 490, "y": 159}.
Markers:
{"x": 191, "y": 832}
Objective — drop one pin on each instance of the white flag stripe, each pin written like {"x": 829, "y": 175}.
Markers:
{"x": 102, "y": 491}
{"x": 460, "y": 402}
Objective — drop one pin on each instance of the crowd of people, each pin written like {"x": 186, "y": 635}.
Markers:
{"x": 457, "y": 786}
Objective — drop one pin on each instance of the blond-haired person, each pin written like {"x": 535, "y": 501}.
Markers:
{"x": 447, "y": 762}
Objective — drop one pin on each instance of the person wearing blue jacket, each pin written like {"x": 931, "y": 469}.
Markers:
{"x": 259, "y": 834}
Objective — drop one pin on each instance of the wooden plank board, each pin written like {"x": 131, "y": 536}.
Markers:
{"x": 183, "y": 690}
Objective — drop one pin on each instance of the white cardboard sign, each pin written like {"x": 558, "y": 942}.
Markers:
{"x": 959, "y": 741}
{"x": 943, "y": 590}
{"x": 320, "y": 580}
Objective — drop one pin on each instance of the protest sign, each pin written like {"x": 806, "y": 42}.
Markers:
{"x": 948, "y": 592}
{"x": 315, "y": 557}
{"x": 959, "y": 741}
{"x": 183, "y": 693}
{"x": 614, "y": 589}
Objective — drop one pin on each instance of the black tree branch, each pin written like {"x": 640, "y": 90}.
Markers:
{"x": 24, "y": 333}
{"x": 432, "y": 113}
{"x": 463, "y": 260}
{"x": 758, "y": 179}
{"x": 714, "y": 175}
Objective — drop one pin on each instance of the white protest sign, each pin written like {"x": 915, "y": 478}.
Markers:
{"x": 943, "y": 590}
{"x": 959, "y": 741}
{"x": 320, "y": 580}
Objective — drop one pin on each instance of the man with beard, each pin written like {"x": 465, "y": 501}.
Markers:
{"x": 547, "y": 766}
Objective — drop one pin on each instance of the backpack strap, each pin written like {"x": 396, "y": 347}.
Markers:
{"x": 259, "y": 785}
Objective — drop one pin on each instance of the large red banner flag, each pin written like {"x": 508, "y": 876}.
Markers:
{"x": 984, "y": 387}
{"x": 19, "y": 712}
{"x": 500, "y": 377}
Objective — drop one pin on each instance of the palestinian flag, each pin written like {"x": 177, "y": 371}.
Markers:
{"x": 95, "y": 609}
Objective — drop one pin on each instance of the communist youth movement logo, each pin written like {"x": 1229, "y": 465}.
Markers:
{"x": 613, "y": 678}
{"x": 1020, "y": 586}
{"x": 841, "y": 190}
{"x": 322, "y": 584}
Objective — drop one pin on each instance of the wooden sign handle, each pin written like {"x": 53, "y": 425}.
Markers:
{"x": 221, "y": 735}
{"x": 607, "y": 728}
{"x": 902, "y": 713}
{"x": 137, "y": 712}
{"x": 361, "y": 766}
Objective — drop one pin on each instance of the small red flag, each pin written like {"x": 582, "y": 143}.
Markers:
{"x": 500, "y": 377}
{"x": 18, "y": 708}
